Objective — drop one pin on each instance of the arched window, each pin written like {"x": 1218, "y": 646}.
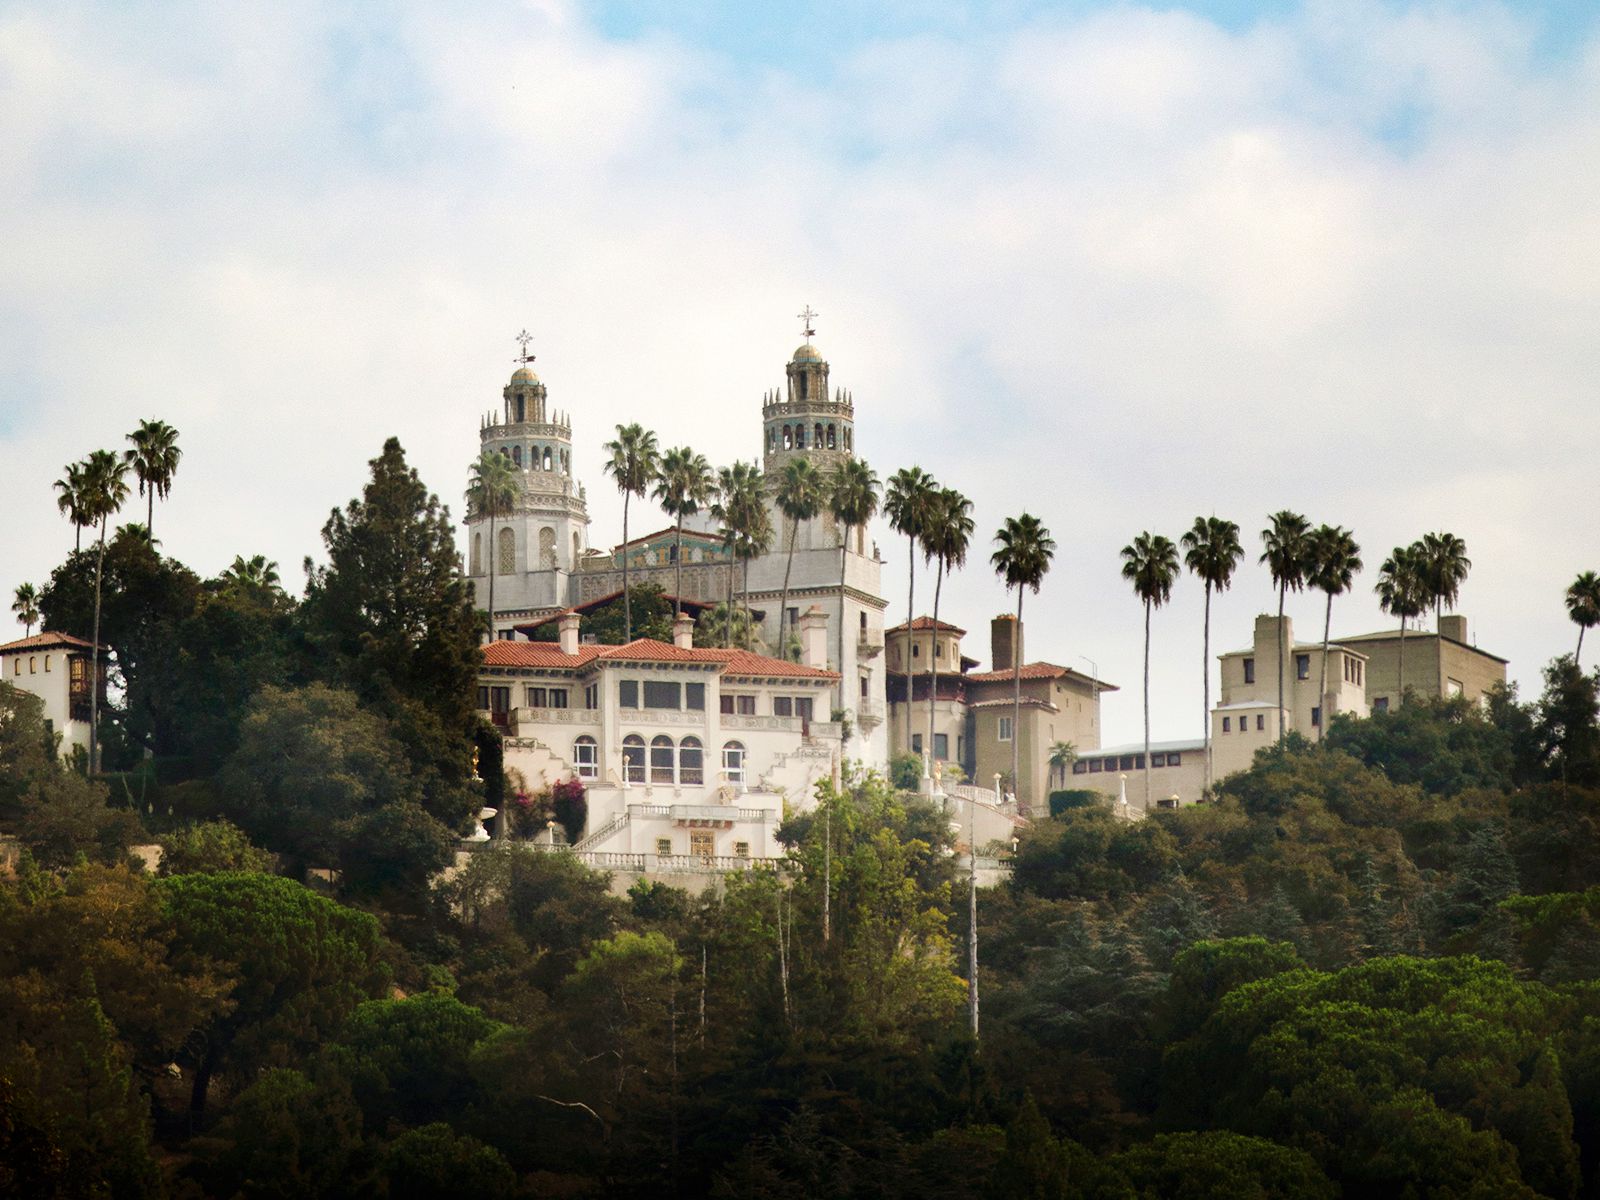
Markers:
{"x": 633, "y": 758}
{"x": 847, "y": 438}
{"x": 508, "y": 552}
{"x": 547, "y": 458}
{"x": 816, "y": 441}
{"x": 520, "y": 410}
{"x": 788, "y": 438}
{"x": 803, "y": 382}
{"x": 576, "y": 553}
{"x": 516, "y": 455}
{"x": 661, "y": 759}
{"x": 586, "y": 757}
{"x": 547, "y": 548}
{"x": 733, "y": 763}
{"x": 832, "y": 439}
{"x": 691, "y": 761}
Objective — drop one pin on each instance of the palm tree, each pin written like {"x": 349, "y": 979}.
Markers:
{"x": 682, "y": 489}
{"x": 69, "y": 499}
{"x": 852, "y": 502}
{"x": 1583, "y": 606}
{"x": 1211, "y": 551}
{"x": 256, "y": 573}
{"x": 634, "y": 463}
{"x": 737, "y": 504}
{"x": 1334, "y": 560}
{"x": 754, "y": 539}
{"x": 1285, "y": 555}
{"x": 154, "y": 459}
{"x": 945, "y": 542}
{"x": 1444, "y": 569}
{"x": 1022, "y": 560}
{"x": 1150, "y": 563}
{"x": 1402, "y": 593}
{"x": 492, "y": 488}
{"x": 105, "y": 489}
{"x": 799, "y": 498}
{"x": 1062, "y": 756}
{"x": 25, "y": 604}
{"x": 908, "y": 503}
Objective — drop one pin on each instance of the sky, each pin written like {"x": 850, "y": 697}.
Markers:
{"x": 1118, "y": 265}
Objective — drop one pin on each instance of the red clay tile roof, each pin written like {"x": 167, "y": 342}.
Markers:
{"x": 737, "y": 662}
{"x": 925, "y": 623}
{"x": 48, "y": 640}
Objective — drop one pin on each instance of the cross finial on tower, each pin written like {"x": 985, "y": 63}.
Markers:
{"x": 524, "y": 338}
{"x": 808, "y": 317}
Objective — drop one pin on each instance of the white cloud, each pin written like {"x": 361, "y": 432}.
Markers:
{"x": 1118, "y": 270}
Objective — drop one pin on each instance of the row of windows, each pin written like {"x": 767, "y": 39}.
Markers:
{"x": 1126, "y": 762}
{"x": 655, "y": 693}
{"x": 542, "y": 458}
{"x": 661, "y": 693}
{"x": 795, "y": 437}
{"x": 1244, "y": 723}
{"x": 941, "y": 746}
{"x": 33, "y": 664}
{"x": 680, "y": 763}
{"x": 702, "y": 844}
{"x": 1354, "y": 670}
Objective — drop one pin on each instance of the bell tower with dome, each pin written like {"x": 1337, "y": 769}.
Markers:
{"x": 540, "y": 544}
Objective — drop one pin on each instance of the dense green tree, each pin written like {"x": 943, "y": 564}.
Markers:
{"x": 1567, "y": 723}
{"x": 633, "y": 462}
{"x": 212, "y": 846}
{"x": 392, "y": 853}
{"x": 389, "y": 617}
{"x": 1445, "y": 745}
{"x": 608, "y": 623}
{"x": 1211, "y": 551}
{"x": 287, "y": 1136}
{"x": 437, "y": 1163}
{"x": 301, "y": 964}
{"x": 1218, "y": 1165}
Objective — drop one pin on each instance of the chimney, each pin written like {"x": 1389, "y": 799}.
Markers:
{"x": 567, "y": 627}
{"x": 814, "y": 638}
{"x": 1005, "y": 642}
{"x": 1454, "y": 627}
{"x": 683, "y": 632}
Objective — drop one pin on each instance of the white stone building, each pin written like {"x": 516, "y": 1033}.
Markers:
{"x": 688, "y": 755}
{"x": 544, "y": 565}
{"x": 57, "y": 668}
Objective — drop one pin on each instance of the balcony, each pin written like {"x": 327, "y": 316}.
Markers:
{"x": 869, "y": 644}
{"x": 869, "y": 713}
{"x": 685, "y": 814}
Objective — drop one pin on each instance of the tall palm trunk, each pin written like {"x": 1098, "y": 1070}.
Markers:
{"x": 627, "y": 598}
{"x": 494, "y": 552}
{"x": 1322, "y": 676}
{"x": 749, "y": 616}
{"x": 1400, "y": 700}
{"x": 844, "y": 555}
{"x": 933, "y": 661}
{"x": 911, "y": 636}
{"x": 783, "y": 604}
{"x": 1147, "y": 708}
{"x": 1205, "y": 675}
{"x": 1578, "y": 654}
{"x": 150, "y": 514}
{"x": 94, "y": 675}
{"x": 677, "y": 581}
{"x": 1016, "y": 711}
{"x": 727, "y": 625}
{"x": 1282, "y": 588}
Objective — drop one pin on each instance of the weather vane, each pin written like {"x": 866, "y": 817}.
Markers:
{"x": 524, "y": 338}
{"x": 808, "y": 317}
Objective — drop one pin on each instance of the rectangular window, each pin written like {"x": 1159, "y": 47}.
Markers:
{"x": 702, "y": 843}
{"x": 694, "y": 697}
{"x": 628, "y": 693}
{"x": 483, "y": 695}
{"x": 659, "y": 693}
{"x": 1079, "y": 767}
{"x": 916, "y": 743}
{"x": 1249, "y": 670}
{"x": 1094, "y": 766}
{"x": 725, "y": 704}
{"x": 741, "y": 849}
{"x": 1302, "y": 666}
{"x": 782, "y": 706}
{"x": 1316, "y": 714}
{"x": 864, "y": 689}
{"x": 663, "y": 845}
{"x": 535, "y": 697}
{"x": 1127, "y": 763}
{"x": 802, "y": 707}
{"x": 916, "y": 650}
{"x": 1138, "y": 762}
{"x": 499, "y": 699}
{"x": 586, "y": 758}
{"x": 1158, "y": 760}
{"x": 591, "y": 696}
{"x": 746, "y": 706}
{"x": 1261, "y": 721}
{"x": 961, "y": 748}
{"x": 1005, "y": 729}
{"x": 1174, "y": 760}
{"x": 1381, "y": 704}
{"x": 941, "y": 745}
{"x": 1227, "y": 726}
{"x": 558, "y": 697}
